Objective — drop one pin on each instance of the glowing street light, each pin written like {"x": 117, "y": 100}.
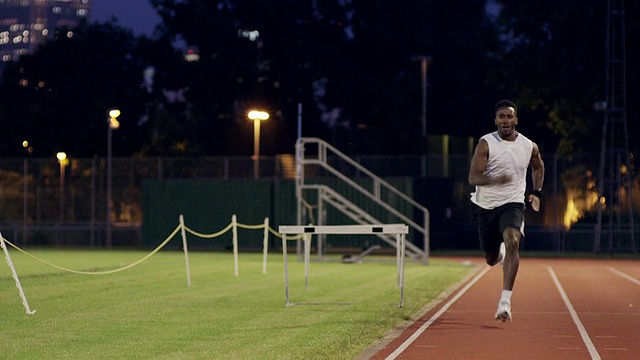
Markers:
{"x": 113, "y": 124}
{"x": 63, "y": 160}
{"x": 257, "y": 116}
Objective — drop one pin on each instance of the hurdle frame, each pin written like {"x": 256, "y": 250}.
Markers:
{"x": 400, "y": 230}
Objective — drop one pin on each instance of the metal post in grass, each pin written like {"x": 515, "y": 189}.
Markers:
{"x": 185, "y": 249}
{"x": 400, "y": 238}
{"x": 15, "y": 277}
{"x": 307, "y": 255}
{"x": 235, "y": 243}
{"x": 286, "y": 269}
{"x": 265, "y": 245}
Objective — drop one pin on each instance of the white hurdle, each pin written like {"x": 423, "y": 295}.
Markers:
{"x": 400, "y": 230}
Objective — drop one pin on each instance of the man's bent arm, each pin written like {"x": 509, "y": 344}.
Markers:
{"x": 537, "y": 167}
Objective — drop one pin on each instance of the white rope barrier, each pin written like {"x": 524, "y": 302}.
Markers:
{"x": 182, "y": 228}
{"x": 108, "y": 272}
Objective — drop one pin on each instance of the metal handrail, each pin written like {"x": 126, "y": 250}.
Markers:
{"x": 321, "y": 159}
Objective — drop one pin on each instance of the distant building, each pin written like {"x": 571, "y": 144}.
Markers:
{"x": 24, "y": 24}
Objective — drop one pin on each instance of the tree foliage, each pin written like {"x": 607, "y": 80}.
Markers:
{"x": 349, "y": 63}
{"x": 553, "y": 60}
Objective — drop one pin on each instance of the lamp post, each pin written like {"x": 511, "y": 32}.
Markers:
{"x": 62, "y": 159}
{"x": 425, "y": 61}
{"x": 257, "y": 116}
{"x": 113, "y": 124}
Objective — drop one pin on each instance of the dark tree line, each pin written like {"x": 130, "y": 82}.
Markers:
{"x": 349, "y": 63}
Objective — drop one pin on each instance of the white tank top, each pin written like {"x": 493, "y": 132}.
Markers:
{"x": 505, "y": 157}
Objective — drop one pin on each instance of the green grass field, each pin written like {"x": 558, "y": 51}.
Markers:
{"x": 150, "y": 312}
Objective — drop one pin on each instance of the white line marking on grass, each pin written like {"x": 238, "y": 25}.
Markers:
{"x": 625, "y": 276}
{"x": 435, "y": 317}
{"x": 574, "y": 315}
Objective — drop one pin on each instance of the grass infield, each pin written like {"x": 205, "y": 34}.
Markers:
{"x": 150, "y": 312}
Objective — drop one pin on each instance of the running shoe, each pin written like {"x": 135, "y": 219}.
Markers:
{"x": 504, "y": 311}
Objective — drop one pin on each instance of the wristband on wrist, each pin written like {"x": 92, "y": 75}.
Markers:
{"x": 537, "y": 193}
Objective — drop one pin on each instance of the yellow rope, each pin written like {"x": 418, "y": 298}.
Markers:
{"x": 208, "y": 236}
{"x": 251, "y": 227}
{"x": 158, "y": 248}
{"x": 98, "y": 272}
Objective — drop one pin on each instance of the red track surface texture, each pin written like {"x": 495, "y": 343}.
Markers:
{"x": 562, "y": 309}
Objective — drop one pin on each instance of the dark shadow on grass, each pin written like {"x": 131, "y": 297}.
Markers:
{"x": 321, "y": 303}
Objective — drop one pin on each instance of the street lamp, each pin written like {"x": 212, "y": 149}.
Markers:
{"x": 62, "y": 159}
{"x": 425, "y": 61}
{"x": 113, "y": 124}
{"x": 257, "y": 116}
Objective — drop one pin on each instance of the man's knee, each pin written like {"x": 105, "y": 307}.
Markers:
{"x": 511, "y": 238}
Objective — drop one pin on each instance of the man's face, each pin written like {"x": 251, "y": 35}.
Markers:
{"x": 506, "y": 121}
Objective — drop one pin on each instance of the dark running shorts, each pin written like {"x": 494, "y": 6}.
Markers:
{"x": 492, "y": 223}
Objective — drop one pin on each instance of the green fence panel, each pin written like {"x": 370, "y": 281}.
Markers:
{"x": 207, "y": 207}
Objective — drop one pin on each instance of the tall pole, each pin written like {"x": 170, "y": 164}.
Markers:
{"x": 256, "y": 116}
{"x": 61, "y": 192}
{"x": 109, "y": 197}
{"x": 424, "y": 64}
{"x": 256, "y": 148}
{"x": 62, "y": 159}
{"x": 25, "y": 190}
{"x": 423, "y": 72}
{"x": 112, "y": 125}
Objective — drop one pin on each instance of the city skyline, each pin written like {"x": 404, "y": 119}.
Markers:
{"x": 24, "y": 26}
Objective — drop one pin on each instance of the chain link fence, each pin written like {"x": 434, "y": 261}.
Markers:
{"x": 49, "y": 203}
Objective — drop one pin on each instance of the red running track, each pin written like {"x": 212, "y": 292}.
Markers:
{"x": 562, "y": 309}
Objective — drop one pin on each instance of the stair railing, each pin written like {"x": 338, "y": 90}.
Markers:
{"x": 320, "y": 157}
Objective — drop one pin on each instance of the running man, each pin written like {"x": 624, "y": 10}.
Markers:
{"x": 499, "y": 173}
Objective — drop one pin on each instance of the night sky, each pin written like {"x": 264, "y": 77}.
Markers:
{"x": 137, "y": 15}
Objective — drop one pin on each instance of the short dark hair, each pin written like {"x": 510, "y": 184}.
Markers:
{"x": 506, "y": 103}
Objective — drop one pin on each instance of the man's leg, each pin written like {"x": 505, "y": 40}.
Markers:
{"x": 511, "y": 237}
{"x": 489, "y": 234}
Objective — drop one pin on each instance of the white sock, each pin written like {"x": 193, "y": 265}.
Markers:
{"x": 506, "y": 295}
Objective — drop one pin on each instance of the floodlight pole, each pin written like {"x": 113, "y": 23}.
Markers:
{"x": 112, "y": 124}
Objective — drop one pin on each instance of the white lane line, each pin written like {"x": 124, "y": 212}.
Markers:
{"x": 435, "y": 317}
{"x": 574, "y": 315}
{"x": 625, "y": 276}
